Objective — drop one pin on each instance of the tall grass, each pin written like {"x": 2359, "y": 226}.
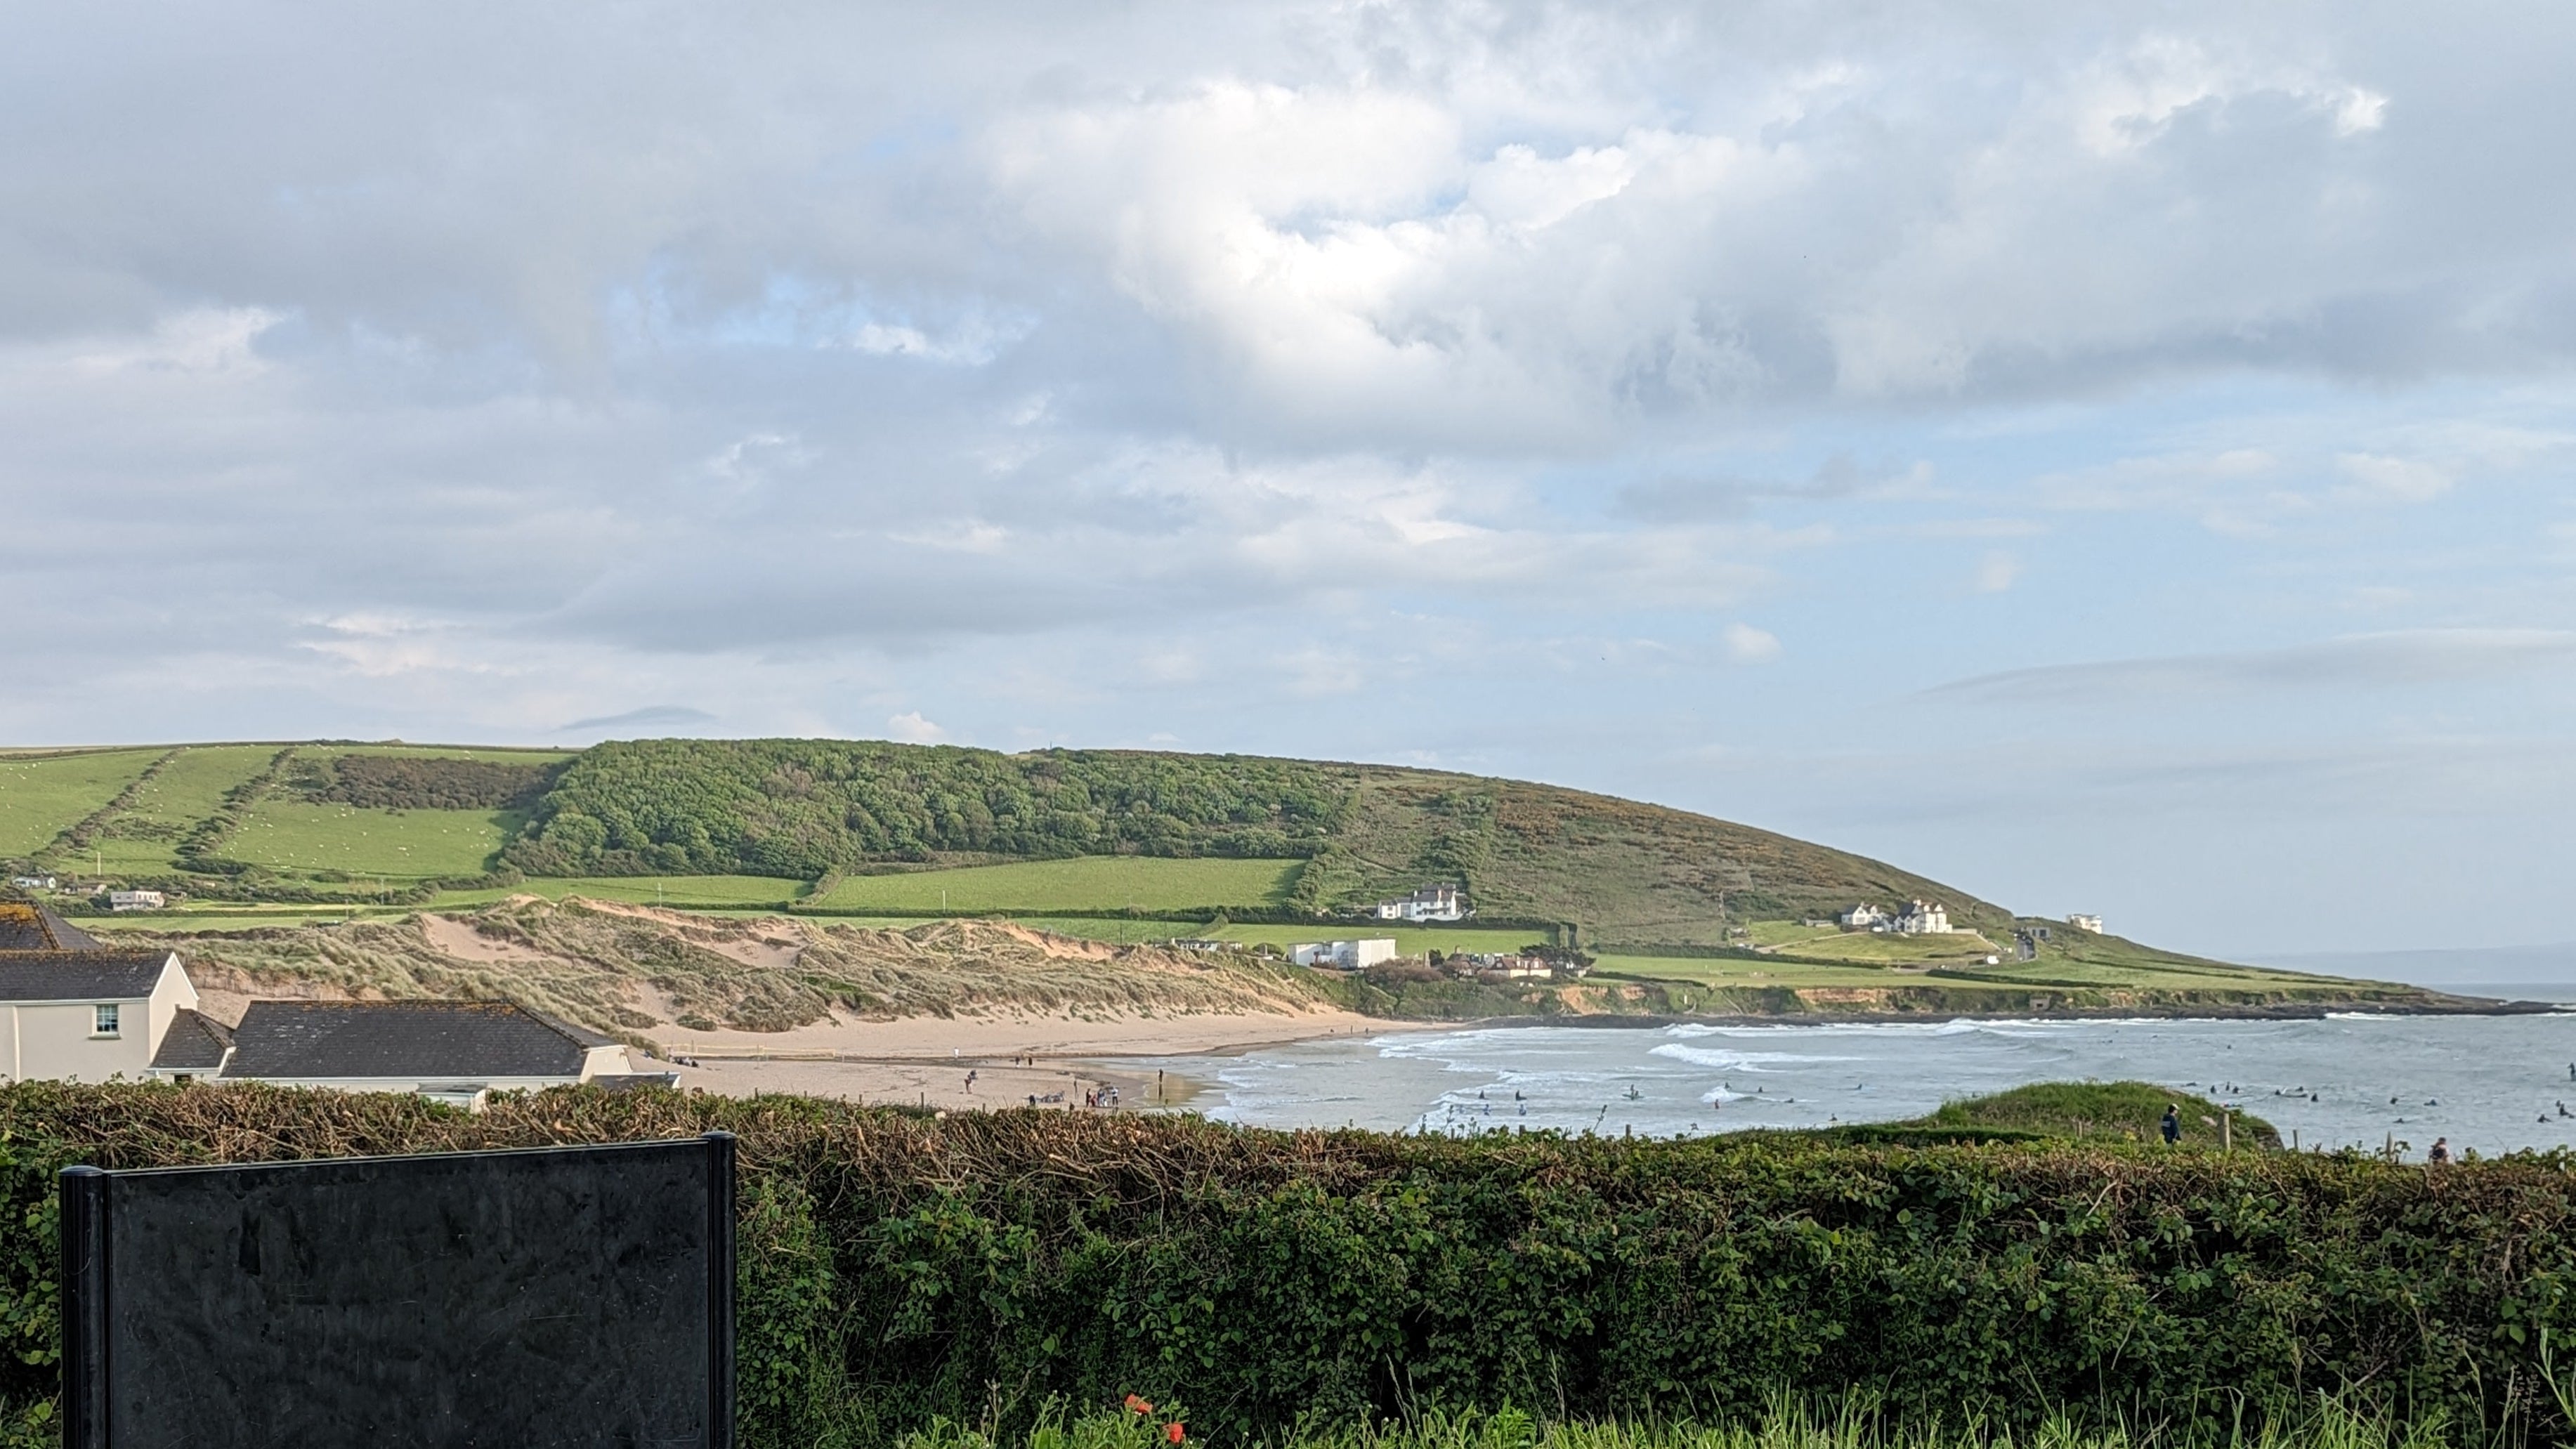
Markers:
{"x": 1856, "y": 1423}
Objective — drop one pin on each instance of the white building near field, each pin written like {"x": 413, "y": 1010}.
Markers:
{"x": 1922, "y": 918}
{"x": 1348, "y": 955}
{"x": 2086, "y": 923}
{"x": 135, "y": 900}
{"x": 1864, "y": 917}
{"x": 1431, "y": 903}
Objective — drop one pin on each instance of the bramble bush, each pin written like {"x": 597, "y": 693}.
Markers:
{"x": 899, "y": 1270}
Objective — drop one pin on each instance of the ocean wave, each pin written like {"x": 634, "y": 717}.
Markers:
{"x": 1747, "y": 1061}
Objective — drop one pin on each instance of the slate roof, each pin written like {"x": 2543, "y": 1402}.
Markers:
{"x": 193, "y": 1043}
{"x": 405, "y": 1040}
{"x": 79, "y": 975}
{"x": 26, "y": 926}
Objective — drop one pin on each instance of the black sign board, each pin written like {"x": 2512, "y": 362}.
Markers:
{"x": 562, "y": 1298}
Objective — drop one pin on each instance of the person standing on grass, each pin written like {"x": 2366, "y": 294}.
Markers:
{"x": 2171, "y": 1126}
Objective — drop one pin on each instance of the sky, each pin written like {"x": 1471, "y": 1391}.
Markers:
{"x": 2108, "y": 457}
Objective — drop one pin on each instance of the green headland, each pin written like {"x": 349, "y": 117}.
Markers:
{"x": 288, "y": 847}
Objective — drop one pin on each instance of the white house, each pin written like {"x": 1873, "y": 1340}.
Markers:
{"x": 1863, "y": 917}
{"x": 450, "y": 1050}
{"x": 78, "y": 1010}
{"x": 1922, "y": 918}
{"x": 1431, "y": 903}
{"x": 2086, "y": 923}
{"x": 1348, "y": 955}
{"x": 135, "y": 900}
{"x": 32, "y": 882}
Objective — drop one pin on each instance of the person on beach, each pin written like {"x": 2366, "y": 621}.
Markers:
{"x": 2441, "y": 1152}
{"x": 2171, "y": 1126}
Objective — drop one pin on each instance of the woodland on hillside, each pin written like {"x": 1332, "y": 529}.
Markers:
{"x": 802, "y": 808}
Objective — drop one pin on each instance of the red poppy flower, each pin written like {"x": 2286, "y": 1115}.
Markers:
{"x": 1172, "y": 1432}
{"x": 1139, "y": 1405}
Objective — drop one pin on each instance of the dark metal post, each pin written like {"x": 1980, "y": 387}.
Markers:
{"x": 720, "y": 1212}
{"x": 83, "y": 1203}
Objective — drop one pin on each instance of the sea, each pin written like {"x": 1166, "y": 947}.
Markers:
{"x": 2351, "y": 1079}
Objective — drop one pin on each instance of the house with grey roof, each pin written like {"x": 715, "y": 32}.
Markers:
{"x": 195, "y": 1046}
{"x": 450, "y": 1050}
{"x": 76, "y": 1009}
{"x": 79, "y": 1009}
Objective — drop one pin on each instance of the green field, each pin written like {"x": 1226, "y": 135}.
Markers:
{"x": 685, "y": 892}
{"x": 43, "y": 795}
{"x": 1868, "y": 948}
{"x": 144, "y": 839}
{"x": 400, "y": 845}
{"x": 1083, "y": 883}
{"x": 216, "y": 918}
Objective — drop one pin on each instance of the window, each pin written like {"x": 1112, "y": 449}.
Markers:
{"x": 103, "y": 1020}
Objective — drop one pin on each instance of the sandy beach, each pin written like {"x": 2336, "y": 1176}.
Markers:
{"x": 925, "y": 1061}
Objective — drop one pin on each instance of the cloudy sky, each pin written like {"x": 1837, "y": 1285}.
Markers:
{"x": 2111, "y": 457}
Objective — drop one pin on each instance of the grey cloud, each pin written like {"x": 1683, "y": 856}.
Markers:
{"x": 2404, "y": 657}
{"x": 647, "y": 717}
{"x": 577, "y": 192}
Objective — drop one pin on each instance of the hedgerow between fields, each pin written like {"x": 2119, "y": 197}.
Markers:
{"x": 898, "y": 1269}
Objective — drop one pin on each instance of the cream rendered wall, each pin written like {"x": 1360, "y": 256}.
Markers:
{"x": 172, "y": 991}
{"x": 608, "y": 1061}
{"x": 51, "y": 1042}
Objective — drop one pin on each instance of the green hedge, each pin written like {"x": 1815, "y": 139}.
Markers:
{"x": 898, "y": 1268}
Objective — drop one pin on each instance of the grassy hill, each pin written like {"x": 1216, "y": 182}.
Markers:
{"x": 1115, "y": 845}
{"x": 286, "y": 823}
{"x": 2076, "y": 1111}
{"x": 1622, "y": 872}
